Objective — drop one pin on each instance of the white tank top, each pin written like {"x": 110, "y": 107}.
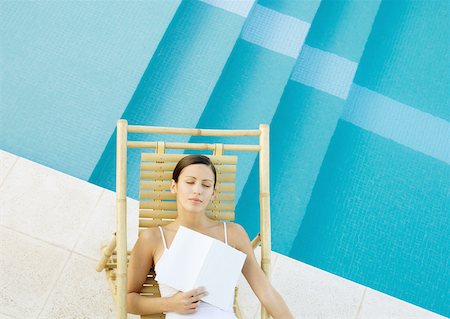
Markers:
{"x": 204, "y": 309}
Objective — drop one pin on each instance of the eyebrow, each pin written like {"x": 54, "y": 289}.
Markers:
{"x": 209, "y": 180}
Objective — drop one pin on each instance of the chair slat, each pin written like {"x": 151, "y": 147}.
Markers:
{"x": 154, "y": 316}
{"x": 161, "y": 195}
{"x": 146, "y": 223}
{"x": 165, "y": 158}
{"x": 143, "y": 223}
{"x": 153, "y": 290}
{"x": 153, "y": 213}
{"x": 172, "y": 206}
{"x": 149, "y": 166}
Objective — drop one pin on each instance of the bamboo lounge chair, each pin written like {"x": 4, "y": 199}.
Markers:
{"x": 157, "y": 205}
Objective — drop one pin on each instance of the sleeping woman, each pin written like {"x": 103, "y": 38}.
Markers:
{"x": 193, "y": 182}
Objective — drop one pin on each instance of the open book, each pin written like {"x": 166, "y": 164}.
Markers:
{"x": 196, "y": 260}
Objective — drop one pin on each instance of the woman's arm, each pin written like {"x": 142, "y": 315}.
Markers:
{"x": 256, "y": 278}
{"x": 141, "y": 260}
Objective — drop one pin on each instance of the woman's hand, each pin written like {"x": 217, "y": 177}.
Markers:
{"x": 187, "y": 302}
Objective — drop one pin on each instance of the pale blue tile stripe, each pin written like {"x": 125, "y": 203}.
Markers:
{"x": 401, "y": 123}
{"x": 324, "y": 71}
{"x": 239, "y": 7}
{"x": 275, "y": 31}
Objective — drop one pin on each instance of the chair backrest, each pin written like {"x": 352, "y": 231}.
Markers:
{"x": 157, "y": 205}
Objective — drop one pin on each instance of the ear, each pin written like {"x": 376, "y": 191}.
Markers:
{"x": 173, "y": 187}
{"x": 213, "y": 194}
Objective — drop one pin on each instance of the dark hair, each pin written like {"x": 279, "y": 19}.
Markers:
{"x": 191, "y": 160}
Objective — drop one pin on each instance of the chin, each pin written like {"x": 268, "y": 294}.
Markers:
{"x": 194, "y": 209}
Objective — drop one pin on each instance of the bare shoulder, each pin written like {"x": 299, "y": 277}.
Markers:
{"x": 149, "y": 234}
{"x": 237, "y": 234}
{"x": 148, "y": 239}
{"x": 236, "y": 228}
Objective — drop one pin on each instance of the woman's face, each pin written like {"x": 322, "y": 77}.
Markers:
{"x": 195, "y": 187}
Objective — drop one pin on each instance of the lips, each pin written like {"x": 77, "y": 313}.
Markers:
{"x": 195, "y": 200}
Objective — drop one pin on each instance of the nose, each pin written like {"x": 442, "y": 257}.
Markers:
{"x": 197, "y": 188}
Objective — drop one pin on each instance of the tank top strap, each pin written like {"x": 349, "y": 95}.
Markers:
{"x": 225, "y": 232}
{"x": 163, "y": 238}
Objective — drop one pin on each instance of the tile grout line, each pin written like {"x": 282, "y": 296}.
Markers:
{"x": 358, "y": 313}
{"x": 71, "y": 253}
{"x": 35, "y": 238}
{"x": 49, "y": 243}
{"x": 54, "y": 285}
{"x": 92, "y": 212}
{"x": 62, "y": 269}
{"x": 10, "y": 170}
{"x": 86, "y": 256}
{"x": 11, "y": 316}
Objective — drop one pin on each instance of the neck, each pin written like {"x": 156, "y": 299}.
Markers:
{"x": 192, "y": 220}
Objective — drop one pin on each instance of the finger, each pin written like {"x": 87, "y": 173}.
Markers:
{"x": 195, "y": 291}
{"x": 198, "y": 297}
{"x": 193, "y": 306}
{"x": 190, "y": 302}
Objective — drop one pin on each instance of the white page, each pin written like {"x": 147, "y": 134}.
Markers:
{"x": 196, "y": 260}
{"x": 183, "y": 261}
{"x": 220, "y": 274}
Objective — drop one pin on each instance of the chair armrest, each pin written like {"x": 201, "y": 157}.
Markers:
{"x": 107, "y": 252}
{"x": 256, "y": 241}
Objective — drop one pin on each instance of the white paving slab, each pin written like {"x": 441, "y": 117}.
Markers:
{"x": 102, "y": 225}
{"x": 7, "y": 161}
{"x": 28, "y": 270}
{"x": 313, "y": 293}
{"x": 45, "y": 214}
{"x": 45, "y": 203}
{"x": 80, "y": 292}
{"x": 379, "y": 305}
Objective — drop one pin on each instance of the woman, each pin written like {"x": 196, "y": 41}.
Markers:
{"x": 194, "y": 180}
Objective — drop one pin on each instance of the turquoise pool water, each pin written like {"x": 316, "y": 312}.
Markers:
{"x": 356, "y": 94}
